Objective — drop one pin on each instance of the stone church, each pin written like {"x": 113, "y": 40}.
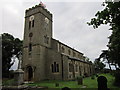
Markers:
{"x": 45, "y": 58}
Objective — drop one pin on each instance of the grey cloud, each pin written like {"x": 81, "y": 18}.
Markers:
{"x": 69, "y": 25}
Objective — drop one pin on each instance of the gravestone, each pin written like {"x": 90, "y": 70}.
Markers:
{"x": 80, "y": 80}
{"x": 56, "y": 84}
{"x": 102, "y": 83}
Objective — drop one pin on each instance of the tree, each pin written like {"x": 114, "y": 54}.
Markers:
{"x": 105, "y": 56}
{"x": 111, "y": 16}
{"x": 10, "y": 46}
{"x": 98, "y": 65}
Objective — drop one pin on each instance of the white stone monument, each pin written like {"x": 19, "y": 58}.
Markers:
{"x": 18, "y": 74}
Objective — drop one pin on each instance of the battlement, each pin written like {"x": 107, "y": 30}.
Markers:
{"x": 38, "y": 6}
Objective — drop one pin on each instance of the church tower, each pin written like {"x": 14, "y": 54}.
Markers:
{"x": 37, "y": 37}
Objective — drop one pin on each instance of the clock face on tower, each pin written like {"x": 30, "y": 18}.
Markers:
{"x": 46, "y": 20}
{"x": 31, "y": 18}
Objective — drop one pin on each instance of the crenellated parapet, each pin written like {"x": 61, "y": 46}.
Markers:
{"x": 37, "y": 6}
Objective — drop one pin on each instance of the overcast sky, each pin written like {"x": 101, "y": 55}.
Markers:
{"x": 69, "y": 23}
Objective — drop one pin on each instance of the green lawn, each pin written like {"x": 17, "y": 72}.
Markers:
{"x": 87, "y": 82}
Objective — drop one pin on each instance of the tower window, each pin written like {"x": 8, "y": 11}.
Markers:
{"x": 30, "y": 36}
{"x": 32, "y": 23}
{"x": 55, "y": 67}
{"x": 29, "y": 24}
{"x": 30, "y": 47}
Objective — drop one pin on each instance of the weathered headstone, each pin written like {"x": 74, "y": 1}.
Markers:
{"x": 56, "y": 84}
{"x": 102, "y": 83}
{"x": 80, "y": 80}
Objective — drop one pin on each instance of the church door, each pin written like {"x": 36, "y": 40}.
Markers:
{"x": 30, "y": 73}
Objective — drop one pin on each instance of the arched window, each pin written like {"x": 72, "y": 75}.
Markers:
{"x": 55, "y": 67}
{"x": 69, "y": 52}
{"x": 70, "y": 67}
{"x": 74, "y": 55}
{"x": 32, "y": 23}
{"x": 76, "y": 68}
{"x": 63, "y": 50}
{"x": 30, "y": 47}
{"x": 30, "y": 36}
{"x": 29, "y": 24}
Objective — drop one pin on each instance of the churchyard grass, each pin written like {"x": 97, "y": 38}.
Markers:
{"x": 87, "y": 83}
{"x": 7, "y": 82}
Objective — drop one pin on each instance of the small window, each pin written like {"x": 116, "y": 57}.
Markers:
{"x": 63, "y": 50}
{"x": 29, "y": 24}
{"x": 57, "y": 70}
{"x": 76, "y": 68}
{"x": 74, "y": 54}
{"x": 30, "y": 47}
{"x": 69, "y": 52}
{"x": 70, "y": 67}
{"x": 78, "y": 55}
{"x": 52, "y": 67}
{"x": 32, "y": 23}
{"x": 84, "y": 69}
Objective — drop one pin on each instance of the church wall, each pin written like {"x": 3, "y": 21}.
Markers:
{"x": 39, "y": 62}
{"x": 69, "y": 51}
{"x": 65, "y": 67}
{"x": 54, "y": 45}
{"x": 52, "y": 57}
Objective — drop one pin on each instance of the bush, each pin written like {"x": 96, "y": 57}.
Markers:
{"x": 117, "y": 78}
